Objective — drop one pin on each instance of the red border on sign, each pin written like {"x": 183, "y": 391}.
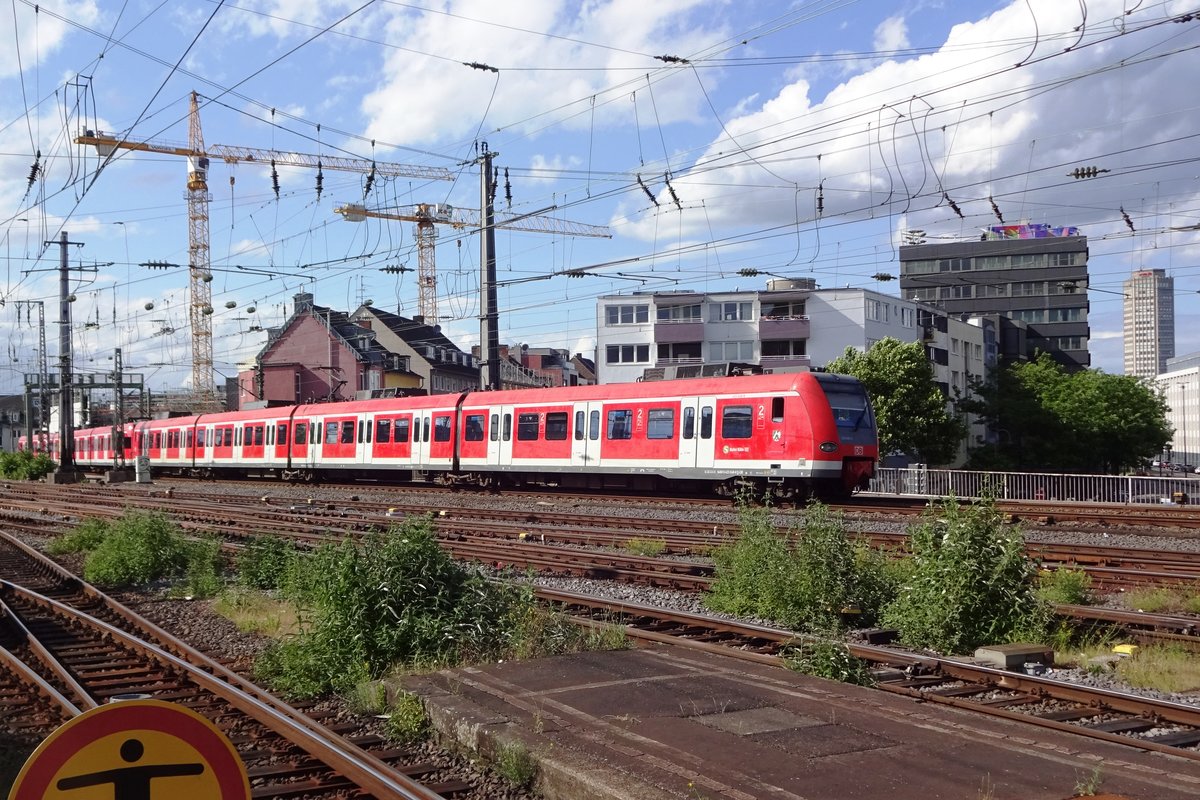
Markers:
{"x": 152, "y": 715}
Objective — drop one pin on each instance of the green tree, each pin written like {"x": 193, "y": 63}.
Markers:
{"x": 910, "y": 409}
{"x": 1087, "y": 421}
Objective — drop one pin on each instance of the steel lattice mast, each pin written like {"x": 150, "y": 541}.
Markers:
{"x": 199, "y": 263}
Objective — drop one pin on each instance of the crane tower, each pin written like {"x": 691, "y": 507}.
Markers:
{"x": 199, "y": 263}
{"x": 425, "y": 215}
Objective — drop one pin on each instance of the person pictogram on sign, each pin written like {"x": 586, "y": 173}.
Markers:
{"x": 130, "y": 783}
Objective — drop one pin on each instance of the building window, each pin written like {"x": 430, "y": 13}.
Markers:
{"x": 787, "y": 348}
{"x": 788, "y": 309}
{"x": 731, "y": 351}
{"x": 679, "y": 352}
{"x": 731, "y": 312}
{"x": 927, "y": 294}
{"x": 679, "y": 313}
{"x": 954, "y": 264}
{"x": 919, "y": 267}
{"x": 627, "y": 354}
{"x": 908, "y": 316}
{"x": 1068, "y": 342}
{"x": 626, "y": 314}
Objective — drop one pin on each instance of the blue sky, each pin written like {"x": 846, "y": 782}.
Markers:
{"x": 796, "y": 138}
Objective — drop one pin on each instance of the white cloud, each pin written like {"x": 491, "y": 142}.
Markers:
{"x": 420, "y": 100}
{"x": 38, "y": 35}
{"x": 891, "y": 34}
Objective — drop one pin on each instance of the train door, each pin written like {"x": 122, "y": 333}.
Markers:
{"x": 502, "y": 444}
{"x": 774, "y": 427}
{"x": 585, "y": 434}
{"x": 689, "y": 432}
{"x": 421, "y": 434}
{"x": 706, "y": 410}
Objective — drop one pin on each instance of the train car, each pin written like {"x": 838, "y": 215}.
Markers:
{"x": 789, "y": 436}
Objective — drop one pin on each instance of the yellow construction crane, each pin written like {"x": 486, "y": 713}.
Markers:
{"x": 426, "y": 215}
{"x": 199, "y": 263}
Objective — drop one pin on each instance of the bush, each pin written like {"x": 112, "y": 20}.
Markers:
{"x": 971, "y": 583}
{"x": 202, "y": 575}
{"x": 392, "y": 599}
{"x": 24, "y": 465}
{"x": 811, "y": 585}
{"x": 86, "y": 537}
{"x": 139, "y": 547}
{"x": 265, "y": 562}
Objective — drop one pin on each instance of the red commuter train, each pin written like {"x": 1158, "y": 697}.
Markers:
{"x": 786, "y": 435}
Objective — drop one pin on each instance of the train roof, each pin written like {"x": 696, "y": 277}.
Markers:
{"x": 782, "y": 382}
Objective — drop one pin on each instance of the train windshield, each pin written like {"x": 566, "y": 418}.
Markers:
{"x": 851, "y": 408}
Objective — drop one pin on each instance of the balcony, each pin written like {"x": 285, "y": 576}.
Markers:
{"x": 773, "y": 328}
{"x": 678, "y": 332}
{"x": 770, "y": 362}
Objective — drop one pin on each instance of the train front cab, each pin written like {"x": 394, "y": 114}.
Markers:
{"x": 852, "y": 438}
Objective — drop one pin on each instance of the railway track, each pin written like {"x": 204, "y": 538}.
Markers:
{"x": 69, "y": 648}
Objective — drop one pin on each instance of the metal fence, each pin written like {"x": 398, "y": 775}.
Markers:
{"x": 924, "y": 482}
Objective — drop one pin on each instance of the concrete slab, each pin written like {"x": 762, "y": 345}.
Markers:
{"x": 664, "y": 722}
{"x": 1015, "y": 656}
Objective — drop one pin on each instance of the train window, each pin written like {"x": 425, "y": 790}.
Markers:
{"x": 367, "y": 425}
{"x": 157, "y": 439}
{"x": 218, "y": 437}
{"x": 270, "y": 434}
{"x": 776, "y": 409}
{"x": 237, "y": 436}
{"x": 527, "y": 427}
{"x": 579, "y": 426}
{"x": 383, "y": 431}
{"x": 347, "y": 431}
{"x": 441, "y": 429}
{"x": 706, "y": 422}
{"x": 200, "y": 437}
{"x": 189, "y": 439}
{"x": 494, "y": 433}
{"x": 689, "y": 423}
{"x": 661, "y": 423}
{"x": 301, "y": 433}
{"x": 556, "y": 425}
{"x": 473, "y": 428}
{"x": 331, "y": 429}
{"x": 361, "y": 433}
{"x": 594, "y": 425}
{"x": 507, "y": 427}
{"x": 258, "y": 435}
{"x": 620, "y": 423}
{"x": 736, "y": 422}
{"x": 402, "y": 426}
{"x": 425, "y": 430}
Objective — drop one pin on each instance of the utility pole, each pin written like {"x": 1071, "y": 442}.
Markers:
{"x": 489, "y": 315}
{"x": 66, "y": 472}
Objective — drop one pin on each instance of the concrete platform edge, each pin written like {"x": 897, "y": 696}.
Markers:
{"x": 461, "y": 723}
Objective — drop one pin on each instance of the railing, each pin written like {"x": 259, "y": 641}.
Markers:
{"x": 1034, "y": 486}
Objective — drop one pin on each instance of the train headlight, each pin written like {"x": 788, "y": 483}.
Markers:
{"x": 829, "y": 447}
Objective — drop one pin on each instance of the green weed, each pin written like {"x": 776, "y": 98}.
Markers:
{"x": 1064, "y": 586}
{"x": 971, "y": 583}
{"x": 516, "y": 764}
{"x": 264, "y": 562}
{"x": 828, "y": 658}
{"x": 85, "y": 538}
{"x": 139, "y": 547}
{"x": 203, "y": 574}
{"x": 646, "y": 547}
{"x": 1167, "y": 668}
{"x": 407, "y": 721}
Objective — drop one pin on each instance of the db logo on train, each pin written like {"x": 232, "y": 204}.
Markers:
{"x": 858, "y": 451}
{"x": 142, "y": 749}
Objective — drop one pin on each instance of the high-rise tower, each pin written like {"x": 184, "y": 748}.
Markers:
{"x": 1149, "y": 322}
